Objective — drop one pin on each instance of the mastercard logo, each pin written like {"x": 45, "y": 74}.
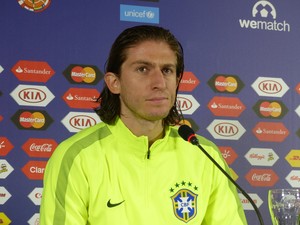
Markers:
{"x": 32, "y": 120}
{"x": 226, "y": 83}
{"x": 83, "y": 74}
{"x": 270, "y": 109}
{"x": 86, "y": 74}
{"x": 36, "y": 120}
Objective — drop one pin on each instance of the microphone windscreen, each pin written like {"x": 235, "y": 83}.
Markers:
{"x": 185, "y": 132}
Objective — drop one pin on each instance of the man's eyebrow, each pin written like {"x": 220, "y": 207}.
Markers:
{"x": 143, "y": 62}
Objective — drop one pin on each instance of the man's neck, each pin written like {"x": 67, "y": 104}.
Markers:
{"x": 154, "y": 130}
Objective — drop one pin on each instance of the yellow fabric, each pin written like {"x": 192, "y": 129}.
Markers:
{"x": 176, "y": 185}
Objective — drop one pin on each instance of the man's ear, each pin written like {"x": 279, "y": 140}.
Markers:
{"x": 112, "y": 82}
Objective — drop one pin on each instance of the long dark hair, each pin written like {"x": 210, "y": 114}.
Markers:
{"x": 109, "y": 104}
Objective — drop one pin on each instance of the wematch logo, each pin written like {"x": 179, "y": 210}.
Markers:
{"x": 224, "y": 83}
{"x": 270, "y": 109}
{"x": 32, "y": 95}
{"x": 264, "y": 18}
{"x": 226, "y": 129}
{"x": 76, "y": 121}
{"x": 270, "y": 87}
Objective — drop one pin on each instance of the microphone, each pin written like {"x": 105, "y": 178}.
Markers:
{"x": 188, "y": 134}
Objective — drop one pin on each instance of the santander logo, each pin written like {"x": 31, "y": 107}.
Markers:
{"x": 270, "y": 131}
{"x": 226, "y": 106}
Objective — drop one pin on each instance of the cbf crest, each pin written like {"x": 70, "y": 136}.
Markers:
{"x": 184, "y": 204}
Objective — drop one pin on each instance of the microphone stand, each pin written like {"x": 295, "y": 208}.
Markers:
{"x": 195, "y": 141}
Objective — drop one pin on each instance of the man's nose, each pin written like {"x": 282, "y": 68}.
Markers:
{"x": 158, "y": 79}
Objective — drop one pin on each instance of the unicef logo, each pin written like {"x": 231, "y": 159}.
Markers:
{"x": 150, "y": 14}
{"x": 264, "y": 9}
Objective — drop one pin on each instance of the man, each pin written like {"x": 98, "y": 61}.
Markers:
{"x": 133, "y": 168}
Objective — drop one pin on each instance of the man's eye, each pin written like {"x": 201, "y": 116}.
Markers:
{"x": 167, "y": 71}
{"x": 142, "y": 69}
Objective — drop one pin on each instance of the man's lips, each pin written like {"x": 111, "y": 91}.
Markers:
{"x": 157, "y": 99}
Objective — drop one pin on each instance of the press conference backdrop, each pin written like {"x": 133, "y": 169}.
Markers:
{"x": 240, "y": 89}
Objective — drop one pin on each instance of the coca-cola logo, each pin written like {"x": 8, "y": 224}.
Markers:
{"x": 41, "y": 148}
{"x": 262, "y": 177}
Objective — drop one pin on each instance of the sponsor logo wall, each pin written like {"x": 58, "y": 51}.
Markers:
{"x": 240, "y": 88}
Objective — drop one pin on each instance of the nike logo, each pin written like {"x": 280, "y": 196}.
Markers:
{"x": 111, "y": 205}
